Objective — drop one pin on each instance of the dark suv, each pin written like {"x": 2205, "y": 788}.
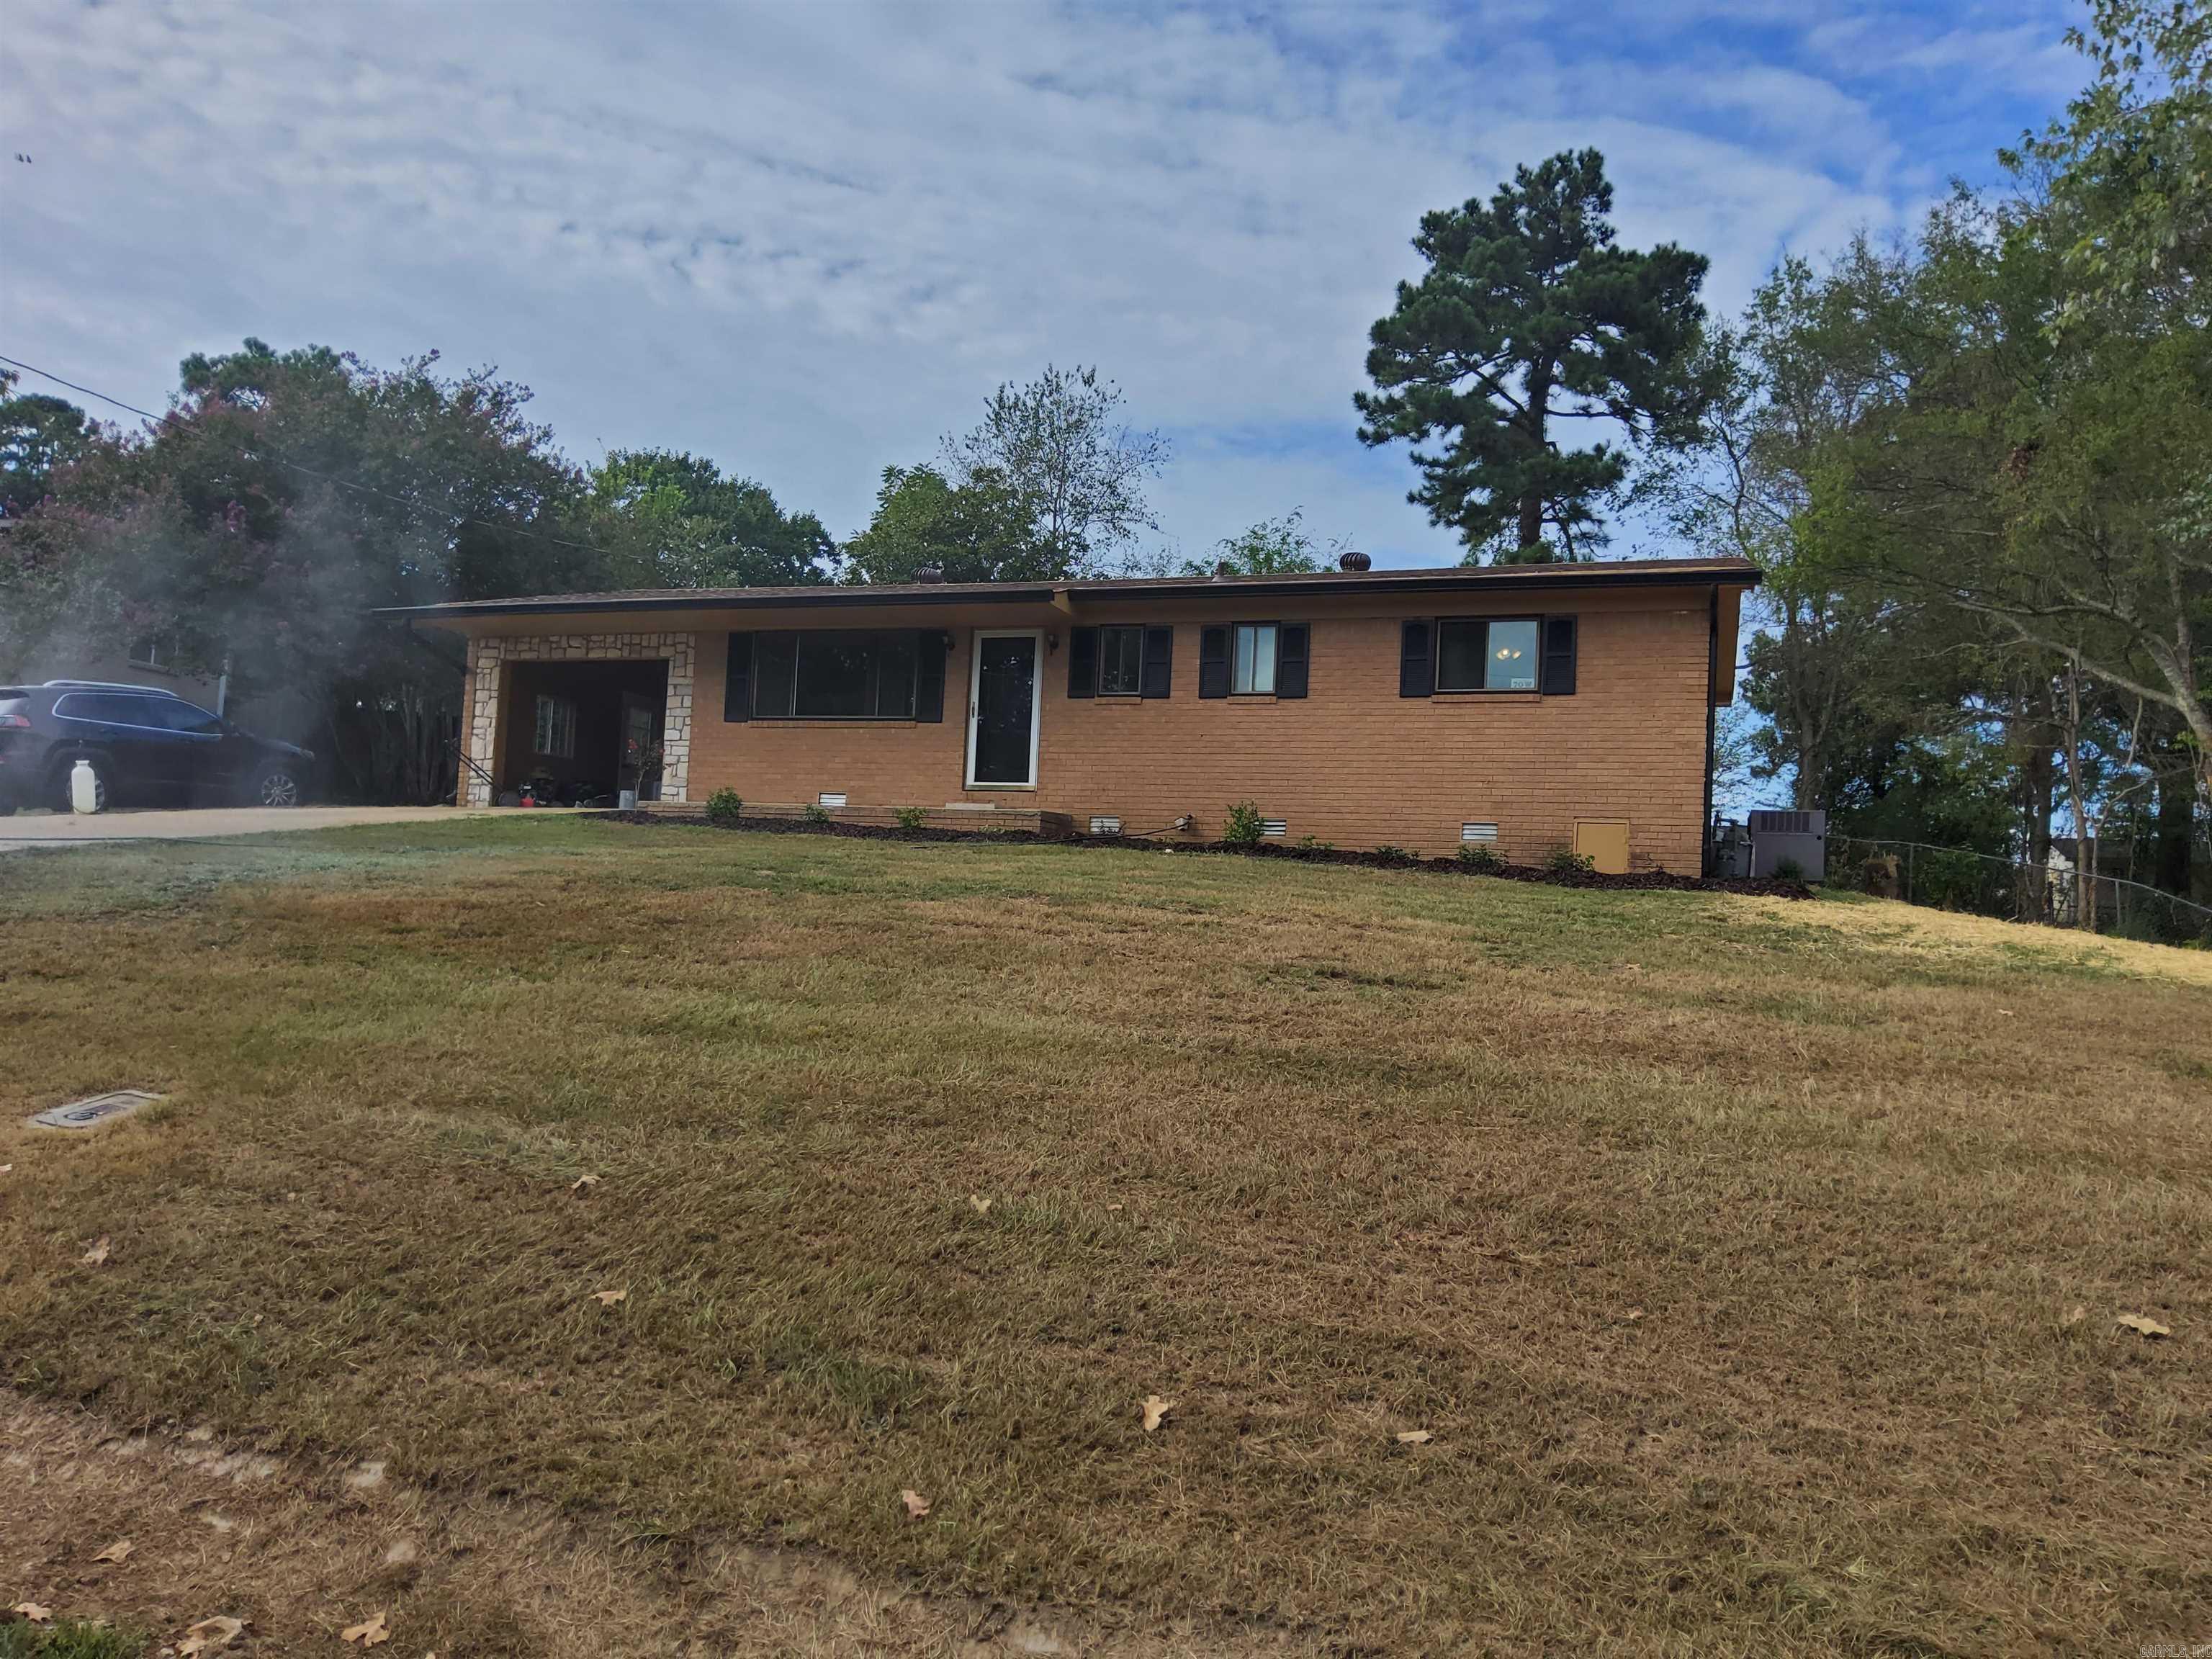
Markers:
{"x": 146, "y": 747}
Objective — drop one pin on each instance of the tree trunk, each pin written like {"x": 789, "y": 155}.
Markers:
{"x": 1540, "y": 409}
{"x": 2084, "y": 874}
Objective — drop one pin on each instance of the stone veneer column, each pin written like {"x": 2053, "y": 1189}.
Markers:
{"x": 489, "y": 654}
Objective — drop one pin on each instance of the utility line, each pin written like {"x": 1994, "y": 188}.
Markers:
{"x": 328, "y": 477}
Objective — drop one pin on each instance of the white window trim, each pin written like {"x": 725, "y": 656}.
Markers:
{"x": 545, "y": 734}
{"x": 1274, "y": 633}
{"x": 975, "y": 697}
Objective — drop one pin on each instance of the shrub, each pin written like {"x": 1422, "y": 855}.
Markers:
{"x": 1392, "y": 854}
{"x": 911, "y": 818}
{"x": 1788, "y": 870}
{"x": 1565, "y": 861}
{"x": 817, "y": 812}
{"x": 1477, "y": 860}
{"x": 1318, "y": 846}
{"x": 724, "y": 806}
{"x": 1243, "y": 827}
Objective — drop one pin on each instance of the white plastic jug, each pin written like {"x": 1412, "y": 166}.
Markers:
{"x": 84, "y": 786}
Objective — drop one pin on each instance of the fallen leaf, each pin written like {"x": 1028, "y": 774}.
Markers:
{"x": 7, "y": 1169}
{"x": 96, "y": 1254}
{"x": 118, "y": 1551}
{"x": 32, "y": 1611}
{"x": 1110, "y": 1208}
{"x": 916, "y": 1505}
{"x": 1635, "y": 1314}
{"x": 1414, "y": 1437}
{"x": 1155, "y": 1410}
{"x": 368, "y": 1632}
{"x": 210, "y": 1636}
{"x": 608, "y": 1299}
{"x": 978, "y": 1203}
{"x": 2077, "y": 1316}
{"x": 583, "y": 1184}
{"x": 2143, "y": 1324}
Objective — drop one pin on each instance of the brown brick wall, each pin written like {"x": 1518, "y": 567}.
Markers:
{"x": 1352, "y": 763}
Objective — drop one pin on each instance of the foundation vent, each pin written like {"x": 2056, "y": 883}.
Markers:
{"x": 831, "y": 798}
{"x": 1276, "y": 827}
{"x": 1480, "y": 834}
{"x": 1104, "y": 826}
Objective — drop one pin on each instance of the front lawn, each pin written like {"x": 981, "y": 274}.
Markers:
{"x": 1728, "y": 1250}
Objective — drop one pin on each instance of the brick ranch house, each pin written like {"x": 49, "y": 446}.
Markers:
{"x": 1529, "y": 708}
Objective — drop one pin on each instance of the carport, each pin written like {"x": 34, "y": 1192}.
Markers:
{"x": 576, "y": 732}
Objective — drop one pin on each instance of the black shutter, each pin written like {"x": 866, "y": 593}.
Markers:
{"x": 1417, "y": 666}
{"x": 1558, "y": 670}
{"x": 929, "y": 675}
{"x": 1159, "y": 661}
{"x": 1214, "y": 662}
{"x": 1082, "y": 662}
{"x": 1291, "y": 661}
{"x": 737, "y": 679}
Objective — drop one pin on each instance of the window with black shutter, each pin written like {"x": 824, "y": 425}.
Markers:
{"x": 1083, "y": 662}
{"x": 1417, "y": 671}
{"x": 1291, "y": 661}
{"x": 1213, "y": 661}
{"x": 1159, "y": 661}
{"x": 737, "y": 678}
{"x": 1558, "y": 656}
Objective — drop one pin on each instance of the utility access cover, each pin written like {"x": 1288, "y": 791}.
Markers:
{"x": 91, "y": 1114}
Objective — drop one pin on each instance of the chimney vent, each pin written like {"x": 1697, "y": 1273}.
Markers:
{"x": 1353, "y": 561}
{"x": 929, "y": 574}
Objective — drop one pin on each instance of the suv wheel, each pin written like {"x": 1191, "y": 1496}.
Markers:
{"x": 103, "y": 797}
{"x": 278, "y": 786}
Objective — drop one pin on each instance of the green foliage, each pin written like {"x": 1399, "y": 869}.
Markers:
{"x": 1272, "y": 547}
{"x": 1565, "y": 861}
{"x": 1948, "y": 880}
{"x": 1395, "y": 854}
{"x": 1242, "y": 826}
{"x": 1788, "y": 870}
{"x": 912, "y": 818}
{"x": 675, "y": 520}
{"x": 1060, "y": 445}
{"x": 980, "y": 530}
{"x": 69, "y": 1638}
{"x": 1530, "y": 315}
{"x": 724, "y": 806}
{"x": 815, "y": 812}
{"x": 38, "y": 434}
{"x": 1479, "y": 860}
{"x": 1322, "y": 846}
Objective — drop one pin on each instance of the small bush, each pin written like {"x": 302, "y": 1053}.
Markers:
{"x": 911, "y": 818}
{"x": 817, "y": 812}
{"x": 724, "y": 806}
{"x": 1395, "y": 855}
{"x": 1244, "y": 826}
{"x": 1479, "y": 860}
{"x": 1788, "y": 870}
{"x": 1565, "y": 861}
{"x": 1318, "y": 846}
{"x": 69, "y": 1638}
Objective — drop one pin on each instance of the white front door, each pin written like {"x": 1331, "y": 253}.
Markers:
{"x": 1003, "y": 708}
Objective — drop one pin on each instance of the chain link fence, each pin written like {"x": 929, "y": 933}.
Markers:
{"x": 2015, "y": 889}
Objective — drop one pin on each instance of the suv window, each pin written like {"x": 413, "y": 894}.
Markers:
{"x": 181, "y": 716}
{"x": 112, "y": 708}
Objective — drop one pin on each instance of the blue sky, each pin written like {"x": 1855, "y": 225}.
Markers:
{"x": 808, "y": 238}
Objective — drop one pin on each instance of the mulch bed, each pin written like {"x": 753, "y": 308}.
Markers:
{"x": 1659, "y": 880}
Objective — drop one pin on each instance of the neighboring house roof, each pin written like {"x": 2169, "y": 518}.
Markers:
{"x": 1451, "y": 579}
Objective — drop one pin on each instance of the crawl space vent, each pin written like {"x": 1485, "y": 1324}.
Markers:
{"x": 828, "y": 797}
{"x": 1478, "y": 832}
{"x": 1105, "y": 826}
{"x": 1276, "y": 827}
{"x": 92, "y": 1113}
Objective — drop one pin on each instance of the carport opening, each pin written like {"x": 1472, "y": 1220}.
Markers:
{"x": 578, "y": 732}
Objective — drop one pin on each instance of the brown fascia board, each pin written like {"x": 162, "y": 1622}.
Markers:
{"x": 1655, "y": 573}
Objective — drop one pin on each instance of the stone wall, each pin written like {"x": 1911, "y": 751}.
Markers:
{"x": 486, "y": 685}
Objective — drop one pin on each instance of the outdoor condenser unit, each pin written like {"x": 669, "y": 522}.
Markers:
{"x": 1789, "y": 837}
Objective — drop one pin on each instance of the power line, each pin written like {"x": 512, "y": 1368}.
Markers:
{"x": 312, "y": 472}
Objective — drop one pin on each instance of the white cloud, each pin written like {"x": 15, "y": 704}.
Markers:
{"x": 808, "y": 240}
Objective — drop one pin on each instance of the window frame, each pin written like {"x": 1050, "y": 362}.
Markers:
{"x": 1274, "y": 658}
{"x": 1437, "y": 686}
{"x": 546, "y": 735}
{"x": 873, "y": 715}
{"x": 1136, "y": 631}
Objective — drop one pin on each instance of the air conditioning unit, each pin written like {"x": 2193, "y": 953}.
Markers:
{"x": 1779, "y": 837}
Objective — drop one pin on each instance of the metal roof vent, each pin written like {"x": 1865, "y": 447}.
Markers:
{"x": 1353, "y": 561}
{"x": 930, "y": 575}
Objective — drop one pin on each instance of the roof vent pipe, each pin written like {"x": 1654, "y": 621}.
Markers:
{"x": 930, "y": 574}
{"x": 1353, "y": 561}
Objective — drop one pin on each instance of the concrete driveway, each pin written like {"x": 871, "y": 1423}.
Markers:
{"x": 52, "y": 829}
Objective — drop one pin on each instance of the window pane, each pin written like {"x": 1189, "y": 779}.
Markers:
{"x": 895, "y": 660}
{"x": 181, "y": 716}
{"x": 1263, "y": 658}
{"x": 1510, "y": 664}
{"x": 1240, "y": 679}
{"x": 1121, "y": 661}
{"x": 1459, "y": 656}
{"x": 833, "y": 675}
{"x": 775, "y": 660}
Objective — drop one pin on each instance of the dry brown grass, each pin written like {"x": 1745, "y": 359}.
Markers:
{"x": 1726, "y": 1247}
